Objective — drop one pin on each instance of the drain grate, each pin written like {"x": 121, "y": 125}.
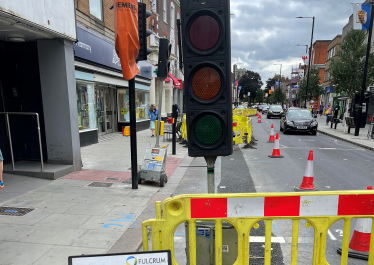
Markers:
{"x": 100, "y": 184}
{"x": 15, "y": 211}
{"x": 112, "y": 178}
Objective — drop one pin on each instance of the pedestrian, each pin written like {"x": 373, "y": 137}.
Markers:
{"x": 1, "y": 171}
{"x": 336, "y": 110}
{"x": 328, "y": 112}
{"x": 153, "y": 115}
{"x": 284, "y": 107}
{"x": 321, "y": 109}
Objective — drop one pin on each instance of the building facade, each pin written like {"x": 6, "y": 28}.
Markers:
{"x": 102, "y": 92}
{"x": 37, "y": 80}
{"x": 332, "y": 53}
{"x": 163, "y": 22}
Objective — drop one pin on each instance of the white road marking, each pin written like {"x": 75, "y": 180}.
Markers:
{"x": 327, "y": 148}
{"x": 261, "y": 239}
{"x": 345, "y": 159}
{"x": 339, "y": 231}
{"x": 328, "y": 187}
{"x": 222, "y": 187}
{"x": 331, "y": 235}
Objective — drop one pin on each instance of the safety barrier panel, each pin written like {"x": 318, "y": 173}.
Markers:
{"x": 184, "y": 128}
{"x": 244, "y": 211}
{"x": 242, "y": 128}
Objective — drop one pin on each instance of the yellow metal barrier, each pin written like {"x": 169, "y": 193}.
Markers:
{"x": 244, "y": 211}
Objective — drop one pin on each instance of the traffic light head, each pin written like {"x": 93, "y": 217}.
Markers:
{"x": 207, "y": 63}
{"x": 143, "y": 14}
{"x": 163, "y": 58}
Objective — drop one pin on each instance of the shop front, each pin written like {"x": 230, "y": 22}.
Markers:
{"x": 102, "y": 92}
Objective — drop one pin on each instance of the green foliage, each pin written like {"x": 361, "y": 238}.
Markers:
{"x": 277, "y": 96}
{"x": 271, "y": 82}
{"x": 347, "y": 71}
{"x": 315, "y": 88}
{"x": 250, "y": 82}
{"x": 260, "y": 96}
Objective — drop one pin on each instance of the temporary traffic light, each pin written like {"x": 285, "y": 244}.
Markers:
{"x": 143, "y": 13}
{"x": 207, "y": 76}
{"x": 163, "y": 58}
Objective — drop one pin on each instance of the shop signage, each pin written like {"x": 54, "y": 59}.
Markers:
{"x": 91, "y": 48}
{"x": 124, "y": 111}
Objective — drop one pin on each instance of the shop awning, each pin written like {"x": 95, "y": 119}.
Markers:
{"x": 176, "y": 82}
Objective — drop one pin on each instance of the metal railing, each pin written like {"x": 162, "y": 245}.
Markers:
{"x": 10, "y": 136}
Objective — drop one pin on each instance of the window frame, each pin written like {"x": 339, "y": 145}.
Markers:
{"x": 165, "y": 13}
{"x": 101, "y": 9}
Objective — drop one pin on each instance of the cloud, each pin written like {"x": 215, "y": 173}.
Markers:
{"x": 264, "y": 32}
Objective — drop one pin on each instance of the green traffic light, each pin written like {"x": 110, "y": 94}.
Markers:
{"x": 208, "y": 130}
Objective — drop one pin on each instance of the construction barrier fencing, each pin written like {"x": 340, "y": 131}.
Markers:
{"x": 244, "y": 211}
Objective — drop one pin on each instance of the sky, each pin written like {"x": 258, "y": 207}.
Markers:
{"x": 265, "y": 32}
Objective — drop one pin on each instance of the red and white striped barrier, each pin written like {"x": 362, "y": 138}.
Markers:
{"x": 319, "y": 205}
{"x": 307, "y": 184}
{"x": 276, "y": 150}
{"x": 271, "y": 138}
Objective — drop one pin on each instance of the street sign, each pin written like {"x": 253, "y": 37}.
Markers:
{"x": 134, "y": 258}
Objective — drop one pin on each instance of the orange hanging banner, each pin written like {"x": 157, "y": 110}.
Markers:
{"x": 127, "y": 38}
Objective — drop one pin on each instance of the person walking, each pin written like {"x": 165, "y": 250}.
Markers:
{"x": 1, "y": 171}
{"x": 153, "y": 115}
{"x": 321, "y": 107}
{"x": 336, "y": 110}
{"x": 328, "y": 112}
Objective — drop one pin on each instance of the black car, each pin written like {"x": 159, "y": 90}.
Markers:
{"x": 274, "y": 111}
{"x": 298, "y": 120}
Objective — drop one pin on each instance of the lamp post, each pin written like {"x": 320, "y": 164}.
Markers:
{"x": 310, "y": 55}
{"x": 236, "y": 90}
{"x": 280, "y": 77}
{"x": 306, "y": 51}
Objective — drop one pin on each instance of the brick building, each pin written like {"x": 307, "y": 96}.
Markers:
{"x": 332, "y": 52}
{"x": 163, "y": 22}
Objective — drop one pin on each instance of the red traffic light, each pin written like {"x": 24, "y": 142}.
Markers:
{"x": 204, "y": 33}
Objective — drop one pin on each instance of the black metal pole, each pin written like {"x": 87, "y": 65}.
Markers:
{"x": 134, "y": 151}
{"x": 363, "y": 89}
{"x": 174, "y": 132}
{"x": 310, "y": 55}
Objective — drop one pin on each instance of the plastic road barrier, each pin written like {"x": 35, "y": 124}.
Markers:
{"x": 244, "y": 211}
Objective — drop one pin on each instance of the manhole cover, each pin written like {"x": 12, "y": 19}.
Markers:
{"x": 112, "y": 178}
{"x": 100, "y": 184}
{"x": 15, "y": 211}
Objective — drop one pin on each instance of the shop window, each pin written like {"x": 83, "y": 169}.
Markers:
{"x": 96, "y": 8}
{"x": 86, "y": 106}
{"x": 141, "y": 104}
{"x": 164, "y": 12}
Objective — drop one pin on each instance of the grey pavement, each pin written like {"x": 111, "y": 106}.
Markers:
{"x": 69, "y": 217}
{"x": 339, "y": 133}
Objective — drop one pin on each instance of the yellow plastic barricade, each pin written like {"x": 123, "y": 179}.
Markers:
{"x": 244, "y": 211}
{"x": 184, "y": 128}
{"x": 236, "y": 127}
{"x": 161, "y": 127}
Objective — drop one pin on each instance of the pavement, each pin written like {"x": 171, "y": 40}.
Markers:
{"x": 339, "y": 133}
{"x": 93, "y": 211}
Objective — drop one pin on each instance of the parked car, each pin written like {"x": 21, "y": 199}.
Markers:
{"x": 259, "y": 107}
{"x": 241, "y": 107}
{"x": 274, "y": 111}
{"x": 265, "y": 109}
{"x": 298, "y": 120}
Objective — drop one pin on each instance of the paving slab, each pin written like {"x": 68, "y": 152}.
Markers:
{"x": 97, "y": 239}
{"x": 58, "y": 255}
{"x": 28, "y": 219}
{"x": 54, "y": 236}
{"x": 13, "y": 253}
{"x": 59, "y": 197}
{"x": 90, "y": 209}
{"x": 104, "y": 223}
{"x": 14, "y": 232}
{"x": 63, "y": 220}
{"x": 54, "y": 206}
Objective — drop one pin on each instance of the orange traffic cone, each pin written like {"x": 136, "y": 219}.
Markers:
{"x": 271, "y": 138}
{"x": 360, "y": 242}
{"x": 276, "y": 151}
{"x": 259, "y": 119}
{"x": 307, "y": 184}
{"x": 257, "y": 113}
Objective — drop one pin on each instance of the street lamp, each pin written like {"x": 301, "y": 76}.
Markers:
{"x": 236, "y": 91}
{"x": 280, "y": 77}
{"x": 310, "y": 54}
{"x": 306, "y": 51}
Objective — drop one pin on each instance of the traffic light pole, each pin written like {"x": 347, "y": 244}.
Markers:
{"x": 363, "y": 89}
{"x": 158, "y": 131}
{"x": 134, "y": 151}
{"x": 210, "y": 161}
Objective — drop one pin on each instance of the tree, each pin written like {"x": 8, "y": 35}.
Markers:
{"x": 271, "y": 82}
{"x": 250, "y": 82}
{"x": 277, "y": 96}
{"x": 315, "y": 88}
{"x": 260, "y": 96}
{"x": 347, "y": 72}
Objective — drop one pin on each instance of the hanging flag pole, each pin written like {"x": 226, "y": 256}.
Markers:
{"x": 363, "y": 19}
